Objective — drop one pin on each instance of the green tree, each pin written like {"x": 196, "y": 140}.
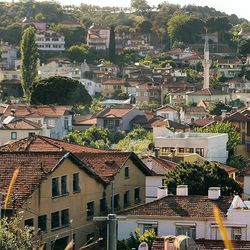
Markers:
{"x": 40, "y": 17}
{"x": 136, "y": 141}
{"x": 140, "y": 6}
{"x": 95, "y": 137}
{"x": 236, "y": 103}
{"x": 61, "y": 91}
{"x": 29, "y": 61}
{"x": 216, "y": 108}
{"x": 135, "y": 239}
{"x": 224, "y": 127}
{"x": 96, "y": 106}
{"x": 13, "y": 237}
{"x": 199, "y": 177}
{"x": 78, "y": 53}
{"x": 112, "y": 44}
{"x": 244, "y": 47}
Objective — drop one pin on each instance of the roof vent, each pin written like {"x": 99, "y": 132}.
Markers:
{"x": 110, "y": 162}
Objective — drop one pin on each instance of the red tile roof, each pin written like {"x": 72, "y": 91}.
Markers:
{"x": 159, "y": 166}
{"x": 37, "y": 110}
{"x": 21, "y": 124}
{"x": 226, "y": 167}
{"x": 118, "y": 112}
{"x": 111, "y": 81}
{"x": 203, "y": 122}
{"x": 209, "y": 91}
{"x": 182, "y": 206}
{"x": 107, "y": 165}
{"x": 45, "y": 144}
{"x": 166, "y": 108}
{"x": 237, "y": 117}
{"x": 34, "y": 167}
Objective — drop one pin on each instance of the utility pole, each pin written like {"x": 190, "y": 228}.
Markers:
{"x": 111, "y": 229}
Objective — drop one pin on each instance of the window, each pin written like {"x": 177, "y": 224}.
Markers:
{"x": 200, "y": 151}
{"x": 55, "y": 220}
{"x": 181, "y": 150}
{"x": 55, "y": 187}
{"x": 163, "y": 182}
{"x": 103, "y": 205}
{"x": 64, "y": 184}
{"x": 190, "y": 150}
{"x": 117, "y": 123}
{"x": 65, "y": 217}
{"x": 32, "y": 134}
{"x": 13, "y": 135}
{"x": 66, "y": 122}
{"x": 153, "y": 227}
{"x": 29, "y": 222}
{"x": 186, "y": 230}
{"x": 126, "y": 172}
{"x": 90, "y": 209}
{"x": 165, "y": 150}
{"x": 236, "y": 233}
{"x": 76, "y": 186}
{"x": 116, "y": 202}
{"x": 137, "y": 195}
{"x": 126, "y": 199}
{"x": 42, "y": 222}
{"x": 243, "y": 137}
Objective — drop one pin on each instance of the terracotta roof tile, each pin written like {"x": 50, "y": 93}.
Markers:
{"x": 118, "y": 112}
{"x": 45, "y": 144}
{"x": 182, "y": 206}
{"x": 21, "y": 124}
{"x": 37, "y": 110}
{"x": 237, "y": 117}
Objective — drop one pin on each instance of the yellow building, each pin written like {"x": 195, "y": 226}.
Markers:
{"x": 62, "y": 186}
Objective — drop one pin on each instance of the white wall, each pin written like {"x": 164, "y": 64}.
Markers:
{"x": 152, "y": 183}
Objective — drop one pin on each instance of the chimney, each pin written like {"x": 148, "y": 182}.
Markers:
{"x": 182, "y": 190}
{"x": 162, "y": 192}
{"x": 13, "y": 112}
{"x": 149, "y": 164}
{"x": 214, "y": 193}
{"x": 223, "y": 113}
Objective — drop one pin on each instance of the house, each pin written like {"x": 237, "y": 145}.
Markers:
{"x": 91, "y": 86}
{"x": 117, "y": 118}
{"x": 50, "y": 41}
{"x": 108, "y": 67}
{"x": 98, "y": 37}
{"x": 62, "y": 186}
{"x": 83, "y": 123}
{"x": 230, "y": 68}
{"x": 8, "y": 56}
{"x": 238, "y": 84}
{"x": 159, "y": 167}
{"x": 58, "y": 118}
{"x": 12, "y": 129}
{"x": 211, "y": 146}
{"x": 148, "y": 93}
{"x": 171, "y": 125}
{"x": 177, "y": 98}
{"x": 244, "y": 34}
{"x": 112, "y": 86}
{"x": 189, "y": 215}
{"x": 207, "y": 95}
{"x": 242, "y": 123}
{"x": 189, "y": 114}
{"x": 168, "y": 112}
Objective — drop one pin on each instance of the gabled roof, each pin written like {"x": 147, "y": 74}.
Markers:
{"x": 107, "y": 165}
{"x": 226, "y": 167}
{"x": 203, "y": 122}
{"x": 25, "y": 111}
{"x": 181, "y": 206}
{"x": 237, "y": 117}
{"x": 117, "y": 112}
{"x": 209, "y": 91}
{"x": 21, "y": 124}
{"x": 38, "y": 143}
{"x": 166, "y": 108}
{"x": 33, "y": 169}
{"x": 114, "y": 81}
{"x": 159, "y": 166}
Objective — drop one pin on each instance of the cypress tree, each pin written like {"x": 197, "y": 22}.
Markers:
{"x": 29, "y": 61}
{"x": 112, "y": 44}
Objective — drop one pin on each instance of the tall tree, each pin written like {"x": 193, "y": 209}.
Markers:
{"x": 29, "y": 61}
{"x": 112, "y": 44}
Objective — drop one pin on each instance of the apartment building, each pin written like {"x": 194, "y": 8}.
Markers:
{"x": 8, "y": 56}
{"x": 50, "y": 41}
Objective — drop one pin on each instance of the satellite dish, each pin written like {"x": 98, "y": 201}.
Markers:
{"x": 143, "y": 246}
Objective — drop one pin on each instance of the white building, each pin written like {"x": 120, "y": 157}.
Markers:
{"x": 169, "y": 113}
{"x": 8, "y": 56}
{"x": 190, "y": 215}
{"x": 91, "y": 86}
{"x": 50, "y": 41}
{"x": 213, "y": 147}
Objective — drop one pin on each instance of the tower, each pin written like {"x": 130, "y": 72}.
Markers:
{"x": 206, "y": 64}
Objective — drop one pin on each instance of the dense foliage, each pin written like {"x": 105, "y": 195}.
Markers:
{"x": 224, "y": 127}
{"x": 59, "y": 90}
{"x": 12, "y": 236}
{"x": 216, "y": 108}
{"x": 29, "y": 61}
{"x": 95, "y": 137}
{"x": 199, "y": 177}
{"x": 136, "y": 141}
